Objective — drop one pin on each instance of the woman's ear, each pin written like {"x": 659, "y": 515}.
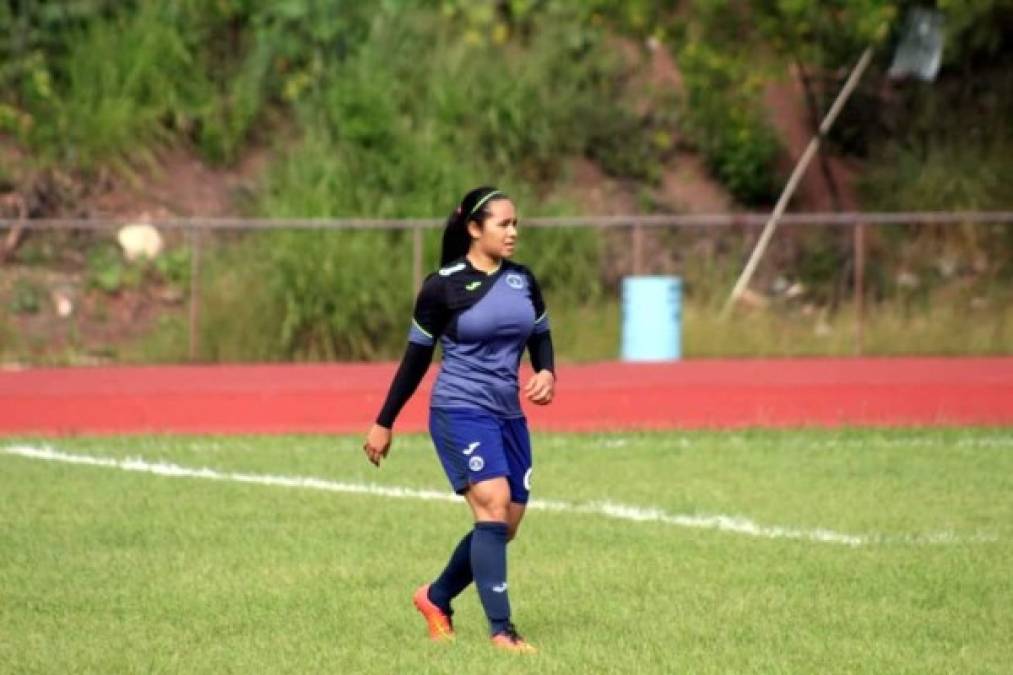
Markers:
{"x": 474, "y": 229}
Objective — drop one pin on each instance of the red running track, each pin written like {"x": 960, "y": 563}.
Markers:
{"x": 598, "y": 397}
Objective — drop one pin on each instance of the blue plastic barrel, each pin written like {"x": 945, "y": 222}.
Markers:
{"x": 652, "y": 318}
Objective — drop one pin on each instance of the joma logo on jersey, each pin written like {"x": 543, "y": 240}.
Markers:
{"x": 473, "y": 285}
{"x": 515, "y": 281}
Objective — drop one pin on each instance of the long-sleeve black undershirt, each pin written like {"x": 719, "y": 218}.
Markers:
{"x": 415, "y": 363}
{"x": 540, "y": 348}
{"x": 409, "y": 374}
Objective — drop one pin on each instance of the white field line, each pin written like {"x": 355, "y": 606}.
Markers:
{"x": 724, "y": 523}
{"x": 690, "y": 441}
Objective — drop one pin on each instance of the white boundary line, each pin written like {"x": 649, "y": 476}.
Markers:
{"x": 723, "y": 523}
{"x": 695, "y": 438}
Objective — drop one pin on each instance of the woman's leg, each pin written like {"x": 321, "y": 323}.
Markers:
{"x": 517, "y": 449}
{"x": 515, "y": 513}
{"x": 489, "y": 500}
{"x": 457, "y": 574}
{"x": 490, "y": 503}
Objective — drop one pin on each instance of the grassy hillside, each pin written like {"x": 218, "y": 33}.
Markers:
{"x": 397, "y": 108}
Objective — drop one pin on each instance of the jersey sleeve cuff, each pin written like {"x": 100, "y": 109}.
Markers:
{"x": 542, "y": 323}
{"x": 418, "y": 335}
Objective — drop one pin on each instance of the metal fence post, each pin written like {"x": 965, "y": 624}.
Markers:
{"x": 194, "y": 237}
{"x": 638, "y": 249}
{"x": 416, "y": 260}
{"x": 859, "y": 283}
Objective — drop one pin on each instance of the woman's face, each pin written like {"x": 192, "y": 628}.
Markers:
{"x": 498, "y": 236}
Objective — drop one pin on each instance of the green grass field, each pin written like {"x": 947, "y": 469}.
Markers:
{"x": 107, "y": 570}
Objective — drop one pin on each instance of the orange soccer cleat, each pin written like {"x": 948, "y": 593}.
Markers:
{"x": 510, "y": 641}
{"x": 440, "y": 626}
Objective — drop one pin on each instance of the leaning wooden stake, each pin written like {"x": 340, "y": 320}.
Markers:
{"x": 793, "y": 181}
{"x": 13, "y": 237}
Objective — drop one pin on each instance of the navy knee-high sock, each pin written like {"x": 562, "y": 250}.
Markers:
{"x": 489, "y": 565}
{"x": 455, "y": 576}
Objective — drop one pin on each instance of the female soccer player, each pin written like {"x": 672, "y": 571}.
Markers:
{"x": 484, "y": 310}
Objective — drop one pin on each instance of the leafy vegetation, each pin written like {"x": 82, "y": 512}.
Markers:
{"x": 26, "y": 298}
{"x": 401, "y": 127}
{"x": 727, "y": 123}
{"x": 396, "y": 108}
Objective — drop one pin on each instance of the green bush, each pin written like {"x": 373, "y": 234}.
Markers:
{"x": 939, "y": 161}
{"x": 124, "y": 85}
{"x": 626, "y": 145}
{"x": 239, "y": 318}
{"x": 95, "y": 82}
{"x": 106, "y": 270}
{"x": 226, "y": 120}
{"x": 260, "y": 55}
{"x": 173, "y": 266}
{"x": 26, "y": 297}
{"x": 726, "y": 122}
{"x": 403, "y": 127}
{"x": 36, "y": 36}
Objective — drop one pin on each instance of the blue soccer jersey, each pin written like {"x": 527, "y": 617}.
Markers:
{"x": 483, "y": 322}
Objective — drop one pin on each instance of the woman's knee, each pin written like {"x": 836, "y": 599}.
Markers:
{"x": 490, "y": 500}
{"x": 491, "y": 512}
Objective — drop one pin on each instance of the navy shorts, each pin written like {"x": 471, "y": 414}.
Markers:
{"x": 474, "y": 445}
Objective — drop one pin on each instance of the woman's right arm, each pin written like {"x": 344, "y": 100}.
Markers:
{"x": 409, "y": 374}
{"x": 428, "y": 321}
{"x": 414, "y": 365}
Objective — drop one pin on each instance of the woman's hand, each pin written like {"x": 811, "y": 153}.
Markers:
{"x": 541, "y": 387}
{"x": 377, "y": 443}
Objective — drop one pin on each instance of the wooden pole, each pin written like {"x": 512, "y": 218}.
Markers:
{"x": 796, "y": 177}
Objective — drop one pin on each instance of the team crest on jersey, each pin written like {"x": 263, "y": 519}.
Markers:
{"x": 476, "y": 463}
{"x": 515, "y": 281}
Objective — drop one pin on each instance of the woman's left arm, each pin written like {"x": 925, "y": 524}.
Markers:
{"x": 541, "y": 387}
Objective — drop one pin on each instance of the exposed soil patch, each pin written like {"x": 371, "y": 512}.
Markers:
{"x": 179, "y": 184}
{"x": 96, "y": 322}
{"x": 50, "y": 307}
{"x": 788, "y": 112}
